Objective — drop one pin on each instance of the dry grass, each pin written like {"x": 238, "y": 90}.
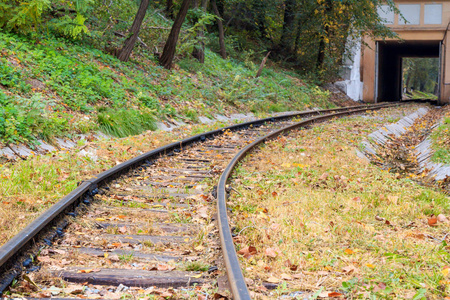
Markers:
{"x": 27, "y": 188}
{"x": 351, "y": 228}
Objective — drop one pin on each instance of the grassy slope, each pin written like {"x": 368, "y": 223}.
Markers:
{"x": 50, "y": 87}
{"x": 441, "y": 141}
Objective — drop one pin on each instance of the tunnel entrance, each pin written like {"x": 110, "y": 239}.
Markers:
{"x": 392, "y": 61}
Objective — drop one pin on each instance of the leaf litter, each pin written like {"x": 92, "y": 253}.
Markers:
{"x": 350, "y": 229}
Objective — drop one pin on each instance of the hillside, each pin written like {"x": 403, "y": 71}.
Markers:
{"x": 51, "y": 87}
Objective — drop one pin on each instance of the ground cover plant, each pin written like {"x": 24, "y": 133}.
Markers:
{"x": 314, "y": 219}
{"x": 51, "y": 87}
{"x": 441, "y": 141}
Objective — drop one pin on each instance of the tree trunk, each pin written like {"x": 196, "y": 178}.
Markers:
{"x": 169, "y": 8}
{"x": 223, "y": 52}
{"x": 171, "y": 43}
{"x": 221, "y": 7}
{"x": 408, "y": 80}
{"x": 286, "y": 41}
{"x": 125, "y": 52}
{"x": 321, "y": 55}
{"x": 199, "y": 49}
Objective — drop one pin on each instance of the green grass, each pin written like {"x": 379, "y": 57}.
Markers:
{"x": 126, "y": 257}
{"x": 441, "y": 143}
{"x": 422, "y": 95}
{"x": 196, "y": 266}
{"x": 123, "y": 123}
{"x": 51, "y": 87}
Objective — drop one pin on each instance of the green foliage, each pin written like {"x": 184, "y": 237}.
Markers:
{"x": 236, "y": 85}
{"x": 199, "y": 20}
{"x": 122, "y": 123}
{"x": 24, "y": 120}
{"x": 420, "y": 77}
{"x": 14, "y": 123}
{"x": 73, "y": 27}
{"x": 24, "y": 15}
{"x": 441, "y": 142}
{"x": 76, "y": 79}
{"x": 298, "y": 31}
{"x": 37, "y": 15}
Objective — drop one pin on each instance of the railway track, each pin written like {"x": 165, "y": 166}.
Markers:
{"x": 147, "y": 223}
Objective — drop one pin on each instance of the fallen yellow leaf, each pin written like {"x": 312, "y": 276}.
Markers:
{"x": 349, "y": 251}
{"x": 272, "y": 279}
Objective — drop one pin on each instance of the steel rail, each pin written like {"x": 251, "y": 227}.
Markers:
{"x": 235, "y": 276}
{"x": 12, "y": 249}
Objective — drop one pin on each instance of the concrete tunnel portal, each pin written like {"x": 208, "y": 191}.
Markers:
{"x": 389, "y": 64}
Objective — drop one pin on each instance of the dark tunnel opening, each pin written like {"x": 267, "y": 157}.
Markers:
{"x": 391, "y": 58}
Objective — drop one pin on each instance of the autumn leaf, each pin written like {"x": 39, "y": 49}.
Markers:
{"x": 164, "y": 267}
{"x": 349, "y": 269}
{"x": 324, "y": 176}
{"x": 335, "y": 295}
{"x": 88, "y": 271}
{"x": 379, "y": 287}
{"x": 44, "y": 259}
{"x": 114, "y": 258}
{"x": 432, "y": 221}
{"x": 199, "y": 248}
{"x": 203, "y": 212}
{"x": 291, "y": 266}
{"x": 275, "y": 227}
{"x": 349, "y": 251}
{"x": 271, "y": 252}
{"x": 247, "y": 252}
{"x": 285, "y": 276}
{"x": 273, "y": 279}
{"x": 441, "y": 218}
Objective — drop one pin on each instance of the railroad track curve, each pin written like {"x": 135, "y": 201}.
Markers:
{"x": 152, "y": 208}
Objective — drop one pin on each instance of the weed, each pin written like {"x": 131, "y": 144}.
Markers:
{"x": 122, "y": 123}
{"x": 441, "y": 142}
{"x": 126, "y": 257}
{"x": 196, "y": 266}
{"x": 148, "y": 244}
